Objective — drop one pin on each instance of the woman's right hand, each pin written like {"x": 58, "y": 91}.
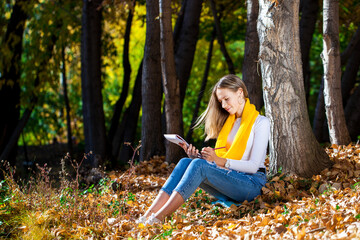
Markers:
{"x": 191, "y": 151}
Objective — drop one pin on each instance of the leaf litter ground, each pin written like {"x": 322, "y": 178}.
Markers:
{"x": 327, "y": 206}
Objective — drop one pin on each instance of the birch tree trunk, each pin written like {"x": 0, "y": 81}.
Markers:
{"x": 293, "y": 146}
{"x": 170, "y": 82}
{"x": 151, "y": 138}
{"x": 338, "y": 131}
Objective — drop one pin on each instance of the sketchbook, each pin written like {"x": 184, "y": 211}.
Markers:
{"x": 174, "y": 138}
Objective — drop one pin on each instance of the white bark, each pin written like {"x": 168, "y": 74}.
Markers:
{"x": 338, "y": 131}
{"x": 293, "y": 146}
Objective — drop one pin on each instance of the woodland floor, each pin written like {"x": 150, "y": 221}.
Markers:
{"x": 327, "y": 206}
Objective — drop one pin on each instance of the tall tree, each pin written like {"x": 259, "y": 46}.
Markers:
{"x": 319, "y": 116}
{"x": 309, "y": 12}
{"x": 293, "y": 146}
{"x": 151, "y": 137}
{"x": 350, "y": 47}
{"x": 352, "y": 114}
{"x": 44, "y": 56}
{"x": 251, "y": 75}
{"x": 185, "y": 41}
{"x": 171, "y": 85}
{"x": 338, "y": 131}
{"x": 126, "y": 80}
{"x": 202, "y": 88}
{"x": 94, "y": 122}
{"x": 66, "y": 100}
{"x": 349, "y": 77}
{"x": 220, "y": 38}
{"x": 351, "y": 52}
{"x": 129, "y": 122}
{"x": 11, "y": 51}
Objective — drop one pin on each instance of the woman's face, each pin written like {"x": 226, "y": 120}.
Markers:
{"x": 232, "y": 102}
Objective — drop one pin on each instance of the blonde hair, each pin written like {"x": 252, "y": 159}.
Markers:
{"x": 215, "y": 116}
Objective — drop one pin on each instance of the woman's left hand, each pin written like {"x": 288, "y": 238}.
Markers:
{"x": 209, "y": 155}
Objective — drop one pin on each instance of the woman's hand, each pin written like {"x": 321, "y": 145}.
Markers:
{"x": 191, "y": 151}
{"x": 209, "y": 154}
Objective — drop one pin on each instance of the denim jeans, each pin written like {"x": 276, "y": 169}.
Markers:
{"x": 223, "y": 184}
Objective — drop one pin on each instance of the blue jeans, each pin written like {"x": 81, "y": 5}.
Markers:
{"x": 223, "y": 184}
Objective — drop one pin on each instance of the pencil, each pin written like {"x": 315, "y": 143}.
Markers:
{"x": 218, "y": 148}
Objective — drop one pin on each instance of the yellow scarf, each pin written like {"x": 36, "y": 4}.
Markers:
{"x": 238, "y": 146}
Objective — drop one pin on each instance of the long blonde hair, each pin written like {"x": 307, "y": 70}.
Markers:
{"x": 215, "y": 116}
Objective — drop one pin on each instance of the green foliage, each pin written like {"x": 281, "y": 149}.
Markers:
{"x": 45, "y": 37}
{"x": 56, "y": 25}
{"x": 164, "y": 235}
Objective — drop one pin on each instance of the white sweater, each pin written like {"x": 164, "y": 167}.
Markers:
{"x": 255, "y": 152}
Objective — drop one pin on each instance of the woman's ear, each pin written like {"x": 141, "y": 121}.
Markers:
{"x": 240, "y": 91}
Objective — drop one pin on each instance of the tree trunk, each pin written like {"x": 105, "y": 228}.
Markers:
{"x": 130, "y": 120}
{"x": 94, "y": 122}
{"x": 251, "y": 73}
{"x": 350, "y": 47}
{"x": 170, "y": 82}
{"x": 11, "y": 144}
{"x": 352, "y": 114}
{"x": 309, "y": 13}
{"x": 15, "y": 134}
{"x": 10, "y": 76}
{"x": 126, "y": 81}
{"x": 350, "y": 74}
{"x": 293, "y": 146}
{"x": 67, "y": 104}
{"x": 151, "y": 137}
{"x": 332, "y": 74}
{"x": 319, "y": 117}
{"x": 202, "y": 89}
{"x": 185, "y": 42}
{"x": 125, "y": 125}
{"x": 179, "y": 20}
{"x": 220, "y": 38}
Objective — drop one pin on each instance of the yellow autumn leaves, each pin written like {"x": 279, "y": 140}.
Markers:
{"x": 327, "y": 206}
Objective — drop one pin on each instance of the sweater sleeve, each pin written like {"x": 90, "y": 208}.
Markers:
{"x": 258, "y": 148}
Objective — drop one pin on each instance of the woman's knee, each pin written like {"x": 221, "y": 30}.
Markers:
{"x": 184, "y": 161}
{"x": 182, "y": 165}
{"x": 198, "y": 163}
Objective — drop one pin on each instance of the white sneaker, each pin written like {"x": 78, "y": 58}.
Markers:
{"x": 141, "y": 219}
{"x": 152, "y": 220}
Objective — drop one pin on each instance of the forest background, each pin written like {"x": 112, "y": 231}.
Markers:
{"x": 92, "y": 78}
{"x": 45, "y": 58}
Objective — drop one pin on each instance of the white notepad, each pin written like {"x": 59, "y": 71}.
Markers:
{"x": 174, "y": 138}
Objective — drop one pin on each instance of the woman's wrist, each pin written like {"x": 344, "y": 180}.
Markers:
{"x": 221, "y": 162}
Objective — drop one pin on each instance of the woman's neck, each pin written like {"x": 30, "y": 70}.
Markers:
{"x": 240, "y": 112}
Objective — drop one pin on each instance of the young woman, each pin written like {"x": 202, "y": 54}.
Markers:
{"x": 234, "y": 170}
